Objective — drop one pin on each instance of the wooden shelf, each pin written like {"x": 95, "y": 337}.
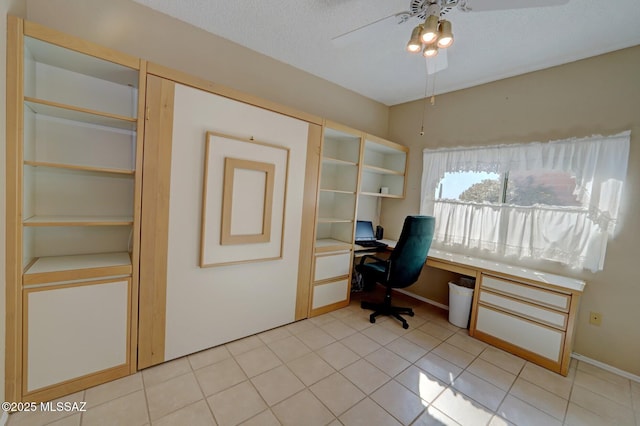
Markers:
{"x": 325, "y": 245}
{"x": 338, "y": 162}
{"x": 333, "y": 220}
{"x": 377, "y": 194}
{"x": 78, "y": 221}
{"x": 79, "y": 168}
{"x": 381, "y": 171}
{"x": 337, "y": 191}
{"x": 84, "y": 115}
{"x": 84, "y": 266}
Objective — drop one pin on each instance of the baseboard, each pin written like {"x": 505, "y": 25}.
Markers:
{"x": 606, "y": 367}
{"x": 4, "y": 418}
{"x": 422, "y": 299}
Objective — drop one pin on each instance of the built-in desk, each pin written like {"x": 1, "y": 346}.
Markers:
{"x": 529, "y": 313}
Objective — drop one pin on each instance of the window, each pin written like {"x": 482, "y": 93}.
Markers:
{"x": 555, "y": 201}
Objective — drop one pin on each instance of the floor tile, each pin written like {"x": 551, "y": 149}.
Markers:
{"x": 492, "y": 374}
{"x": 387, "y": 361}
{"x": 322, "y": 319}
{"x": 479, "y": 390}
{"x": 300, "y": 326}
{"x": 399, "y": 402}
{"x": 338, "y": 329}
{"x": 381, "y": 334}
{"x": 257, "y": 361}
{"x": 274, "y": 334}
{"x": 540, "y": 398}
{"x": 289, "y": 348}
{"x": 357, "y": 321}
{"x": 236, "y": 404}
{"x": 165, "y": 371}
{"x": 365, "y": 376}
{"x": 407, "y": 349}
{"x": 310, "y": 368}
{"x": 453, "y": 354}
{"x": 129, "y": 409}
{"x": 466, "y": 343}
{"x": 422, "y": 339}
{"x": 438, "y": 367}
{"x": 522, "y": 414}
{"x": 367, "y": 413}
{"x": 276, "y": 385}
{"x": 502, "y": 359}
{"x": 302, "y": 407}
{"x": 73, "y": 420}
{"x": 112, "y": 390}
{"x": 548, "y": 380}
{"x": 619, "y": 392}
{"x": 578, "y": 416}
{"x": 243, "y": 345}
{"x": 337, "y": 393}
{"x": 338, "y": 355}
{"x": 602, "y": 374}
{"x": 360, "y": 344}
{"x": 434, "y": 417}
{"x": 220, "y": 376}
{"x": 604, "y": 407}
{"x": 196, "y": 414}
{"x": 437, "y": 331}
{"x": 424, "y": 385}
{"x": 316, "y": 338}
{"x": 172, "y": 394}
{"x": 208, "y": 357}
{"x": 265, "y": 418}
{"x": 462, "y": 409}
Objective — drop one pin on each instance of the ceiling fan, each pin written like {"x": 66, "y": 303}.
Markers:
{"x": 430, "y": 13}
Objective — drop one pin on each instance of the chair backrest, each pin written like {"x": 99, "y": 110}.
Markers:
{"x": 410, "y": 253}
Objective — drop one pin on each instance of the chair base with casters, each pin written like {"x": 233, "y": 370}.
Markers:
{"x": 385, "y": 308}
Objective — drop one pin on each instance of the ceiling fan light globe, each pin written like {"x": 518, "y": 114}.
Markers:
{"x": 445, "y": 38}
{"x": 430, "y": 51}
{"x": 415, "y": 45}
{"x": 445, "y": 42}
{"x": 430, "y": 29}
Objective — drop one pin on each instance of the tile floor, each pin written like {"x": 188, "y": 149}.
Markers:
{"x": 339, "y": 369}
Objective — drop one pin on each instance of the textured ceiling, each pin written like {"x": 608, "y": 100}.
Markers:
{"x": 488, "y": 45}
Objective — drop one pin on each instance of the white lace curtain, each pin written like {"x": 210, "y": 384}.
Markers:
{"x": 573, "y": 236}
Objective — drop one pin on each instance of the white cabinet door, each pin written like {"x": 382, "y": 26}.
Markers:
{"x": 75, "y": 330}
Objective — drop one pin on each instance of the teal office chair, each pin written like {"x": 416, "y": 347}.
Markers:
{"x": 401, "y": 269}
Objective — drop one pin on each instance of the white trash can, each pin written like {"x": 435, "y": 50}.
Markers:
{"x": 460, "y": 299}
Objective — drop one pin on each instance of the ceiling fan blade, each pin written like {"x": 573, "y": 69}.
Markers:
{"x": 370, "y": 30}
{"x": 488, "y": 5}
{"x": 437, "y": 63}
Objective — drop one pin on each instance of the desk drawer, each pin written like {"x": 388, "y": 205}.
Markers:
{"x": 332, "y": 266}
{"x": 536, "y": 313}
{"x": 526, "y": 292}
{"x": 535, "y": 338}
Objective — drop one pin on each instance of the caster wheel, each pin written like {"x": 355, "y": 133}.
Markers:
{"x": 411, "y": 314}
{"x": 405, "y": 325}
{"x": 372, "y": 319}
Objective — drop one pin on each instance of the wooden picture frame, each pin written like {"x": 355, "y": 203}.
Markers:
{"x": 258, "y": 175}
{"x": 239, "y": 227}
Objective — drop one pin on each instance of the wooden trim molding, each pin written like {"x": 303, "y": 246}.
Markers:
{"x": 154, "y": 238}
{"x": 208, "y": 86}
{"x": 307, "y": 239}
{"x": 14, "y": 131}
{"x": 231, "y": 165}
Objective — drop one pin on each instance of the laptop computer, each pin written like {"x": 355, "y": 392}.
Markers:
{"x": 365, "y": 236}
